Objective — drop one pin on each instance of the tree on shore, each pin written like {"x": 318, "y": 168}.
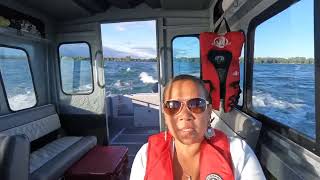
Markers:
{"x": 257, "y": 60}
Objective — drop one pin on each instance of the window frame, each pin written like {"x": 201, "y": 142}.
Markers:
{"x": 284, "y": 130}
{"x": 244, "y": 72}
{"x": 32, "y": 78}
{"x": 97, "y": 70}
{"x": 179, "y": 36}
{"x": 59, "y": 62}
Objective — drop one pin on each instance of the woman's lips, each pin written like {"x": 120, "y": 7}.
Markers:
{"x": 187, "y": 132}
{"x": 187, "y": 129}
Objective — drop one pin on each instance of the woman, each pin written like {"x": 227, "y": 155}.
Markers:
{"x": 191, "y": 149}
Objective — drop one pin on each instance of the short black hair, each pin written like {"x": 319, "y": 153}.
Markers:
{"x": 194, "y": 79}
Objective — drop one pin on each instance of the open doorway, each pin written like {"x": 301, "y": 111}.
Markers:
{"x": 131, "y": 75}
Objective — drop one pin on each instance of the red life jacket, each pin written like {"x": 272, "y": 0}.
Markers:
{"x": 220, "y": 68}
{"x": 215, "y": 158}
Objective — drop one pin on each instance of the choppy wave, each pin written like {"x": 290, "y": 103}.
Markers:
{"x": 267, "y": 100}
{"x": 283, "y": 92}
{"x": 121, "y": 84}
{"x": 22, "y": 101}
{"x": 86, "y": 87}
{"x": 146, "y": 78}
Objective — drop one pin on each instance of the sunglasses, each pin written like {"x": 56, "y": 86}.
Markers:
{"x": 195, "y": 105}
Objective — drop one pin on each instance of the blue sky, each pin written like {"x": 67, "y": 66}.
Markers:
{"x": 138, "y": 38}
{"x": 12, "y": 51}
{"x": 288, "y": 34}
{"x": 186, "y": 47}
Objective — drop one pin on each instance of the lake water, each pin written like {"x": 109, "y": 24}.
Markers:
{"x": 284, "y": 92}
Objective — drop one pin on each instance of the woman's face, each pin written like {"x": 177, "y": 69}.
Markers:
{"x": 186, "y": 126}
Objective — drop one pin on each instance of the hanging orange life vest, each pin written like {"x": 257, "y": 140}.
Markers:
{"x": 215, "y": 158}
{"x": 220, "y": 67}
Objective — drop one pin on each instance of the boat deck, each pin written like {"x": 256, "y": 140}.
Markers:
{"x": 133, "y": 138}
{"x": 133, "y": 118}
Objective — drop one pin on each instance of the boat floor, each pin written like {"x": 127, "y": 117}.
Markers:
{"x": 131, "y": 137}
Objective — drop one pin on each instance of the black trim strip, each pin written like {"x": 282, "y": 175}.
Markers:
{"x": 44, "y": 140}
{"x": 218, "y": 11}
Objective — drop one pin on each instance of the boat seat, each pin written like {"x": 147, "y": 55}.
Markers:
{"x": 52, "y": 160}
{"x": 14, "y": 157}
{"x": 237, "y": 124}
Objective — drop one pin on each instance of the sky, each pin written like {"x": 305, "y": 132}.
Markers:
{"x": 186, "y": 47}
{"x": 6, "y": 51}
{"x": 138, "y": 38}
{"x": 288, "y": 34}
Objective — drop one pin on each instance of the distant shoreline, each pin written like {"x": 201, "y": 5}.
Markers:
{"x": 129, "y": 60}
{"x": 258, "y": 60}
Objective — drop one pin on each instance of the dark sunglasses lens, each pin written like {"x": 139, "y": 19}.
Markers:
{"x": 197, "y": 105}
{"x": 172, "y": 107}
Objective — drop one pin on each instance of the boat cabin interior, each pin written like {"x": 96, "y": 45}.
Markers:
{"x": 54, "y": 100}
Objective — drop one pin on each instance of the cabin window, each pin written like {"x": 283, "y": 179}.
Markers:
{"x": 186, "y": 55}
{"x": 130, "y": 60}
{"x": 75, "y": 68}
{"x": 283, "y": 73}
{"x": 17, "y": 78}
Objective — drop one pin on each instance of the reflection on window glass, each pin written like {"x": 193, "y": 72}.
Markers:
{"x": 241, "y": 59}
{"x": 75, "y": 67}
{"x": 99, "y": 65}
{"x": 186, "y": 56}
{"x": 283, "y": 77}
{"x": 17, "y": 79}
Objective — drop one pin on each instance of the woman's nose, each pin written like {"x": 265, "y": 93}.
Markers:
{"x": 185, "y": 114}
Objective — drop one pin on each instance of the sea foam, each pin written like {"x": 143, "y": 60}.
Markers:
{"x": 267, "y": 100}
{"x": 22, "y": 101}
{"x": 146, "y": 78}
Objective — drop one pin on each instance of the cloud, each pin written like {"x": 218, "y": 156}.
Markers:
{"x": 149, "y": 51}
{"x": 126, "y": 26}
{"x": 79, "y": 49}
{"x": 180, "y": 52}
{"x": 128, "y": 49}
{"x": 111, "y": 52}
{"x": 138, "y": 52}
{"x": 120, "y": 28}
{"x": 125, "y": 40}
